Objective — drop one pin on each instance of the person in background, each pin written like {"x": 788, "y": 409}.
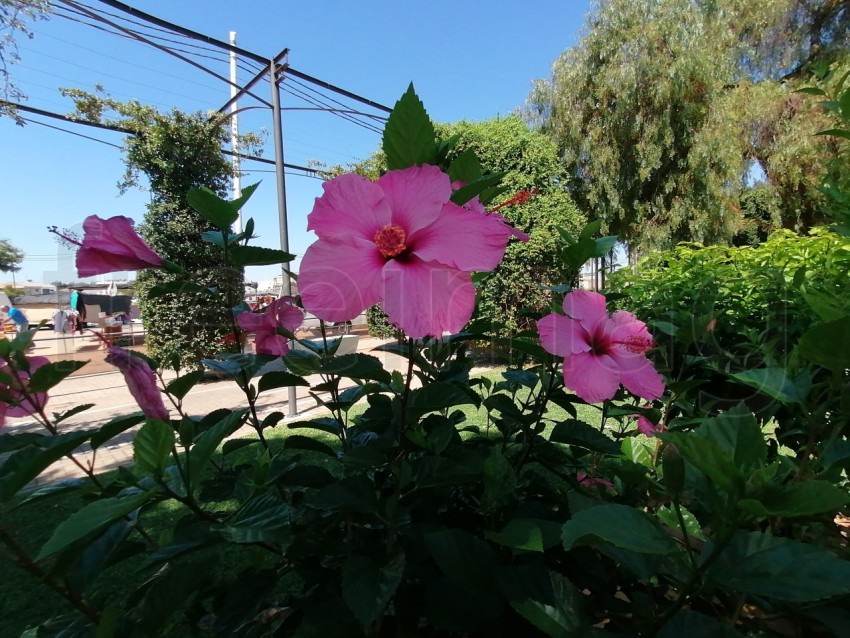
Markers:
{"x": 78, "y": 304}
{"x": 13, "y": 315}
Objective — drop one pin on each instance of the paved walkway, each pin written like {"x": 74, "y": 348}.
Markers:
{"x": 110, "y": 397}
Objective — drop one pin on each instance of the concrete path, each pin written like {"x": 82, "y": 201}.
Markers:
{"x": 110, "y": 397}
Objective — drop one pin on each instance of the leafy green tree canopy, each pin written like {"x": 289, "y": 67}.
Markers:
{"x": 10, "y": 257}
{"x": 14, "y": 18}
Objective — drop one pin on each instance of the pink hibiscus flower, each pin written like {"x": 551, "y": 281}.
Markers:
{"x": 22, "y": 403}
{"x": 278, "y": 314}
{"x": 600, "y": 352}
{"x": 141, "y": 382}
{"x": 402, "y": 242}
{"x": 589, "y": 481}
{"x": 112, "y": 245}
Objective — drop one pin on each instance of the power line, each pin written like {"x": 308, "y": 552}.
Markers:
{"x": 126, "y": 131}
{"x": 64, "y": 130}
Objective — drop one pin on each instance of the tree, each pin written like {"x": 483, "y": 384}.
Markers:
{"x": 10, "y": 258}
{"x": 531, "y": 165}
{"x": 668, "y": 111}
{"x": 14, "y": 16}
{"x": 175, "y": 151}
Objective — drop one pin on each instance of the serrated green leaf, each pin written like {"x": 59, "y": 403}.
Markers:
{"x": 180, "y": 386}
{"x": 67, "y": 414}
{"x": 368, "y": 586}
{"x": 219, "y": 212}
{"x": 152, "y": 447}
{"x": 280, "y": 379}
{"x": 621, "y": 526}
{"x": 827, "y": 345}
{"x": 774, "y": 382}
{"x": 115, "y": 427}
{"x": 358, "y": 366}
{"x": 762, "y": 565}
{"x": 92, "y": 518}
{"x": 302, "y": 362}
{"x": 298, "y": 442}
{"x": 463, "y": 557}
{"x": 804, "y": 498}
{"x": 409, "y": 136}
{"x": 499, "y": 481}
{"x": 465, "y": 167}
{"x": 350, "y": 494}
{"x": 207, "y": 442}
{"x": 258, "y": 256}
{"x": 580, "y": 434}
{"x": 263, "y": 518}
{"x": 50, "y": 374}
{"x": 27, "y": 463}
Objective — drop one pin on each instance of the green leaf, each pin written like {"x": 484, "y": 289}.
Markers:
{"x": 89, "y": 520}
{"x": 762, "y": 565}
{"x": 350, "y": 494}
{"x": 115, "y": 427}
{"x": 580, "y": 434}
{"x": 546, "y": 599}
{"x": 528, "y": 534}
{"x": 180, "y": 386}
{"x": 50, "y": 374}
{"x": 27, "y": 463}
{"x": 835, "y": 132}
{"x": 208, "y": 441}
{"x": 298, "y": 442}
{"x": 302, "y": 362}
{"x": 774, "y": 382}
{"x": 233, "y": 445}
{"x": 368, "y": 586}
{"x": 463, "y": 557}
{"x": 466, "y": 167}
{"x": 695, "y": 625}
{"x": 152, "y": 447}
{"x": 806, "y": 498}
{"x": 707, "y": 456}
{"x": 827, "y": 344}
{"x": 436, "y": 396}
{"x": 499, "y": 481}
{"x": 279, "y": 379}
{"x": 409, "y": 136}
{"x": 621, "y": 526}
{"x": 737, "y": 432}
{"x": 469, "y": 191}
{"x": 219, "y": 212}
{"x": 258, "y": 256}
{"x": 263, "y": 518}
{"x": 667, "y": 515}
{"x": 357, "y": 366}
{"x": 67, "y": 414}
{"x": 169, "y": 590}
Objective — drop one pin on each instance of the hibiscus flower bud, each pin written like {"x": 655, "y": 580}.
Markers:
{"x": 112, "y": 245}
{"x": 141, "y": 382}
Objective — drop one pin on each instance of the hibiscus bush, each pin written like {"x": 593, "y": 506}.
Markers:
{"x": 580, "y": 502}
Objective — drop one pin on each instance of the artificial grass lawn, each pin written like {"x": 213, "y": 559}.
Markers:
{"x": 25, "y": 601}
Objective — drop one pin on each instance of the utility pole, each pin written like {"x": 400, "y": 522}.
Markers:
{"x": 277, "y": 122}
{"x": 234, "y": 132}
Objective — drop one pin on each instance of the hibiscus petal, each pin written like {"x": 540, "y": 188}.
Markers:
{"x": 638, "y": 375}
{"x": 424, "y": 298}
{"x": 111, "y": 245}
{"x": 415, "y": 195}
{"x": 338, "y": 281}
{"x": 592, "y": 377}
{"x": 282, "y": 314}
{"x": 586, "y": 306}
{"x": 252, "y": 321}
{"x": 562, "y": 336}
{"x": 463, "y": 239}
{"x": 351, "y": 207}
{"x": 271, "y": 343}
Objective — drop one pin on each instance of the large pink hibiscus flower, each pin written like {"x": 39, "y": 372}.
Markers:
{"x": 600, "y": 352}
{"x": 402, "y": 242}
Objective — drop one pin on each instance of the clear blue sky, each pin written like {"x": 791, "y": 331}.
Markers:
{"x": 470, "y": 60}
